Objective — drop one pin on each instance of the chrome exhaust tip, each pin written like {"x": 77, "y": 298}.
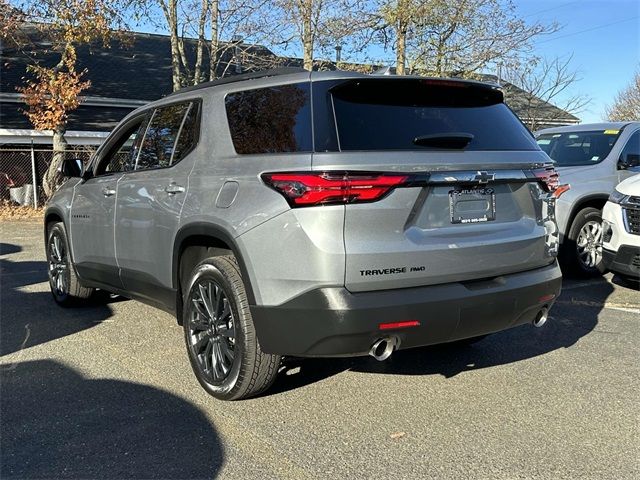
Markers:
{"x": 383, "y": 348}
{"x": 541, "y": 317}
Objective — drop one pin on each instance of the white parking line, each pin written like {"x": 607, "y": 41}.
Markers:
{"x": 585, "y": 284}
{"x": 624, "y": 309}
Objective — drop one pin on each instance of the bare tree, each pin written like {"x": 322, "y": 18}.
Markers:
{"x": 170, "y": 11}
{"x": 444, "y": 38}
{"x": 541, "y": 91}
{"x": 626, "y": 105}
{"x": 235, "y": 29}
{"x": 312, "y": 26}
{"x": 397, "y": 22}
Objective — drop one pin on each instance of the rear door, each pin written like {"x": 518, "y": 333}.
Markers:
{"x": 150, "y": 200}
{"x": 93, "y": 209}
{"x": 471, "y": 207}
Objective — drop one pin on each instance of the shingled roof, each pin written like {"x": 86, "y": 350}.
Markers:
{"x": 124, "y": 77}
{"x": 524, "y": 105}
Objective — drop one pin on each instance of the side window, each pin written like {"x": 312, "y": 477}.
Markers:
{"x": 160, "y": 139}
{"x": 270, "y": 120}
{"x": 189, "y": 134}
{"x": 121, "y": 157}
{"x": 633, "y": 145}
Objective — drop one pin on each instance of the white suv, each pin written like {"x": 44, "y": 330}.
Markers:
{"x": 621, "y": 226}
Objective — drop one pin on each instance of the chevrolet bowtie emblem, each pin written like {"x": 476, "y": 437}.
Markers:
{"x": 484, "y": 177}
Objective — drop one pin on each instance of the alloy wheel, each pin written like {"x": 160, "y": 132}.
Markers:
{"x": 589, "y": 244}
{"x": 58, "y": 265}
{"x": 211, "y": 333}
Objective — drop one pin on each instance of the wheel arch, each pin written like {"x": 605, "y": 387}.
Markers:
{"x": 194, "y": 243}
{"x": 52, "y": 215}
{"x": 597, "y": 200}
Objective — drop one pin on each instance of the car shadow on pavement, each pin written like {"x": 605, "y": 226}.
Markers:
{"x": 9, "y": 248}
{"x": 626, "y": 282}
{"x": 574, "y": 315}
{"x": 56, "y": 423}
{"x": 29, "y": 318}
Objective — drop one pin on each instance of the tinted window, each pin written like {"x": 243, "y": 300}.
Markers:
{"x": 189, "y": 134}
{"x": 160, "y": 137}
{"x": 122, "y": 155}
{"x": 578, "y": 148}
{"x": 270, "y": 120}
{"x": 633, "y": 145}
{"x": 379, "y": 114}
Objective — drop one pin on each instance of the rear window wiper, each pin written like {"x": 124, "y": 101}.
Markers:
{"x": 454, "y": 140}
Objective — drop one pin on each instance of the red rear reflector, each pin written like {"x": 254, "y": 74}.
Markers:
{"x": 394, "y": 325}
{"x": 322, "y": 188}
{"x": 546, "y": 298}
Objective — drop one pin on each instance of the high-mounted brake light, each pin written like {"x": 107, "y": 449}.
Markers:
{"x": 325, "y": 188}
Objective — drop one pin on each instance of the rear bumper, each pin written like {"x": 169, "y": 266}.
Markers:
{"x": 625, "y": 261}
{"x": 336, "y": 322}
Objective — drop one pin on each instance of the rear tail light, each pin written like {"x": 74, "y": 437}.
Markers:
{"x": 331, "y": 188}
{"x": 548, "y": 178}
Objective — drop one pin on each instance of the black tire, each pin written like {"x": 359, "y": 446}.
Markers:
{"x": 63, "y": 279}
{"x": 574, "y": 258}
{"x": 222, "y": 329}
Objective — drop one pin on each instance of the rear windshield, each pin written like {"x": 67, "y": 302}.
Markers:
{"x": 578, "y": 148}
{"x": 389, "y": 114}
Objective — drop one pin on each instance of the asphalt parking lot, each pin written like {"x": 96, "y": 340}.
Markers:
{"x": 106, "y": 391}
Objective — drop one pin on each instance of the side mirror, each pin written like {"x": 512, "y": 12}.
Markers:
{"x": 71, "y": 167}
{"x": 628, "y": 160}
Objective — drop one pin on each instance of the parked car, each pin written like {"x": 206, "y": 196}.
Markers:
{"x": 313, "y": 214}
{"x": 593, "y": 159}
{"x": 621, "y": 227}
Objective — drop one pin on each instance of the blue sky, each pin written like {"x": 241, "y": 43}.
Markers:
{"x": 604, "y": 38}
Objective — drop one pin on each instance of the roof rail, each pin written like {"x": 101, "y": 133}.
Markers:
{"x": 382, "y": 71}
{"x": 239, "y": 78}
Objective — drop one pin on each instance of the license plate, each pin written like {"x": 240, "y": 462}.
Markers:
{"x": 472, "y": 205}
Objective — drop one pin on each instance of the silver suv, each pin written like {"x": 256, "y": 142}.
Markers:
{"x": 593, "y": 159}
{"x": 313, "y": 214}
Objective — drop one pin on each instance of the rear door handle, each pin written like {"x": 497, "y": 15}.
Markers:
{"x": 108, "y": 191}
{"x": 173, "y": 189}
